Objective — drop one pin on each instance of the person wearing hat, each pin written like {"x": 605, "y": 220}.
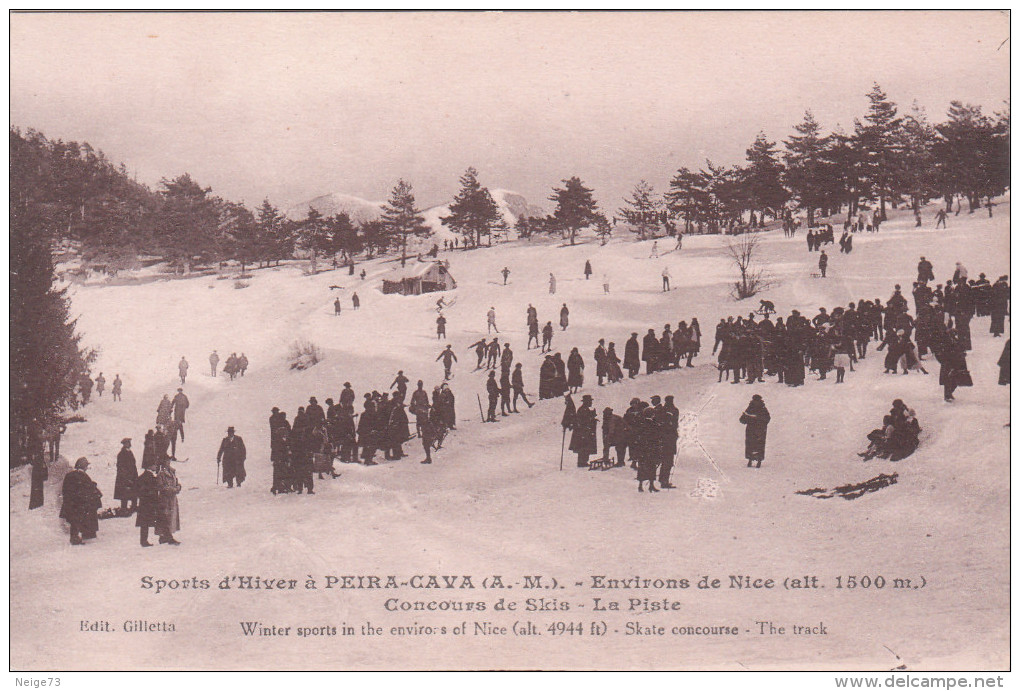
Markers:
{"x": 582, "y": 438}
{"x": 314, "y": 413}
{"x": 82, "y": 499}
{"x": 168, "y": 515}
{"x": 347, "y": 396}
{"x": 146, "y": 489}
{"x": 925, "y": 271}
{"x": 668, "y": 417}
{"x": 127, "y": 475}
{"x": 492, "y": 387}
{"x": 396, "y": 429}
{"x": 232, "y": 454}
{"x": 756, "y": 419}
{"x": 632, "y": 356}
{"x": 644, "y": 448}
{"x": 448, "y": 357}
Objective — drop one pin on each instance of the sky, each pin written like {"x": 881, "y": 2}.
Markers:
{"x": 289, "y": 106}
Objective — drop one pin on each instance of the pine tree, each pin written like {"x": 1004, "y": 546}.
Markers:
{"x": 374, "y": 235}
{"x": 402, "y": 218}
{"x": 972, "y": 153}
{"x": 343, "y": 236}
{"x": 46, "y": 357}
{"x": 687, "y": 197}
{"x": 314, "y": 235}
{"x": 275, "y": 240}
{"x": 643, "y": 210}
{"x": 187, "y": 223}
{"x": 474, "y": 212}
{"x": 242, "y": 233}
{"x": 879, "y": 140}
{"x": 846, "y": 162}
{"x": 763, "y": 178}
{"x": 604, "y": 229}
{"x": 806, "y": 168}
{"x": 918, "y": 178}
{"x": 575, "y": 207}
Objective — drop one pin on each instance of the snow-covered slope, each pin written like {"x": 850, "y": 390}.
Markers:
{"x": 495, "y": 501}
{"x": 358, "y": 209}
{"x": 512, "y": 206}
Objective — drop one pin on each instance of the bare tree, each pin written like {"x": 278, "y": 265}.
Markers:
{"x": 745, "y": 251}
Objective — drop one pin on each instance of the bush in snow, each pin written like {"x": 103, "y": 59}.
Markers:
{"x": 240, "y": 284}
{"x": 304, "y": 354}
{"x": 744, "y": 251}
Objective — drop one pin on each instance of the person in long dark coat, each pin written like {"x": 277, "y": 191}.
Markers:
{"x": 632, "y": 356}
{"x": 448, "y": 406}
{"x": 397, "y": 429}
{"x": 1004, "y": 365}
{"x": 583, "y": 441}
{"x": 127, "y": 475}
{"x": 575, "y": 371}
{"x": 38, "y": 460}
{"x": 643, "y": 448}
{"x": 953, "y": 373}
{"x": 546, "y": 377}
{"x": 999, "y": 306}
{"x": 613, "y": 370}
{"x": 600, "y": 361}
{"x": 794, "y": 366}
{"x": 366, "y": 432}
{"x": 232, "y": 454}
{"x": 564, "y": 317}
{"x": 147, "y": 489}
{"x": 82, "y": 499}
{"x": 279, "y": 451}
{"x": 649, "y": 351}
{"x": 560, "y": 383}
{"x": 756, "y": 418}
{"x": 168, "y": 517}
{"x": 668, "y": 418}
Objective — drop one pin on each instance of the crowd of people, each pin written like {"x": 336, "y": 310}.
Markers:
{"x": 319, "y": 436}
{"x": 649, "y": 432}
{"x": 749, "y": 348}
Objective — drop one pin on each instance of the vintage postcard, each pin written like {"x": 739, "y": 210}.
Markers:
{"x": 408, "y": 341}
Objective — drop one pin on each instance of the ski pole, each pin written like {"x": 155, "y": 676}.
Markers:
{"x": 563, "y": 443}
{"x": 479, "y": 397}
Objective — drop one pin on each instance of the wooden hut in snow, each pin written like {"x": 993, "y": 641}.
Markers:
{"x": 418, "y": 278}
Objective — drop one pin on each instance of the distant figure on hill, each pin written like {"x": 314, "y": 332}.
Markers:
{"x": 940, "y": 218}
{"x": 655, "y": 250}
{"x": 117, "y": 385}
{"x": 491, "y": 320}
{"x": 587, "y": 269}
{"x": 100, "y": 385}
{"x": 552, "y": 284}
{"x": 506, "y": 274}
{"x": 665, "y": 279}
{"x": 182, "y": 369}
{"x": 355, "y": 300}
{"x": 336, "y": 307}
{"x": 214, "y": 360}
